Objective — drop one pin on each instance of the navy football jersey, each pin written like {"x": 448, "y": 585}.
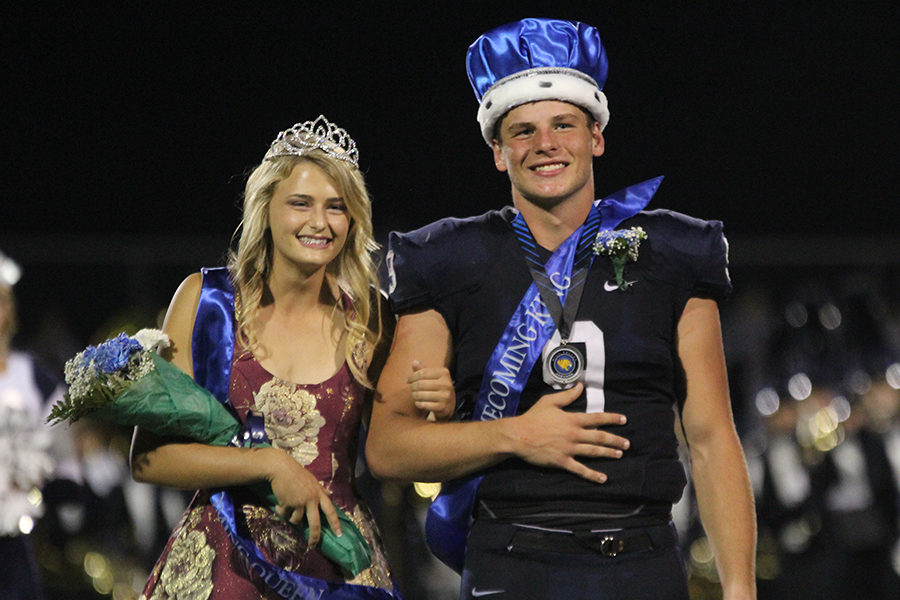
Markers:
{"x": 474, "y": 274}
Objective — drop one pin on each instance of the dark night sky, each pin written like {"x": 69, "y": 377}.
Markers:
{"x": 133, "y": 119}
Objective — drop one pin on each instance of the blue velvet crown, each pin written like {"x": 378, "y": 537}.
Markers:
{"x": 537, "y": 59}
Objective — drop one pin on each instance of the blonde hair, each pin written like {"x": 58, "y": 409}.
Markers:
{"x": 251, "y": 264}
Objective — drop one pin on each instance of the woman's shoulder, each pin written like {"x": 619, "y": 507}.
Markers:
{"x": 191, "y": 285}
{"x": 187, "y": 295}
{"x": 179, "y": 321}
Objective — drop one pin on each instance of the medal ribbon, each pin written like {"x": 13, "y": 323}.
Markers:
{"x": 213, "y": 350}
{"x": 561, "y": 299}
{"x": 529, "y": 330}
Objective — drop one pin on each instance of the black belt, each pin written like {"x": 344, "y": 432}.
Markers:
{"x": 607, "y": 543}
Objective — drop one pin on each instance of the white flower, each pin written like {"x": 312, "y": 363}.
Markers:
{"x": 152, "y": 339}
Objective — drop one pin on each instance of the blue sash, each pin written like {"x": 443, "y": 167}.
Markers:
{"x": 213, "y": 351}
{"x": 507, "y": 371}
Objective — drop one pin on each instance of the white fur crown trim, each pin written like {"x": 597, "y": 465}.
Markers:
{"x": 545, "y": 83}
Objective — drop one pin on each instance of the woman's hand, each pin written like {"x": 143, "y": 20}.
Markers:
{"x": 298, "y": 493}
{"x": 432, "y": 390}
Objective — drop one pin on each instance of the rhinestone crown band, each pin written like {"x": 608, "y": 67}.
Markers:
{"x": 320, "y": 134}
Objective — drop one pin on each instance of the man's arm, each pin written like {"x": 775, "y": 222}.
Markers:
{"x": 402, "y": 445}
{"x": 719, "y": 471}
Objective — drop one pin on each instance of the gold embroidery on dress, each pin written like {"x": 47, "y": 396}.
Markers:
{"x": 187, "y": 574}
{"x": 277, "y": 538}
{"x": 377, "y": 575}
{"x": 292, "y": 420}
{"x": 192, "y": 518}
{"x": 189, "y": 520}
{"x": 349, "y": 399}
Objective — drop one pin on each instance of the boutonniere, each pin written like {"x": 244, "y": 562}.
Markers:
{"x": 621, "y": 246}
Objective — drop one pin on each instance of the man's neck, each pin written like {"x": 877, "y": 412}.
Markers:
{"x": 551, "y": 226}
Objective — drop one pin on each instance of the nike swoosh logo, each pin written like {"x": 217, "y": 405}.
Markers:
{"x": 611, "y": 287}
{"x": 479, "y": 593}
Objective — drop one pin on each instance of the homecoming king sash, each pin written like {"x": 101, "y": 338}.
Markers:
{"x": 213, "y": 350}
{"x": 509, "y": 367}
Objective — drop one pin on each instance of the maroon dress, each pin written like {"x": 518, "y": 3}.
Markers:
{"x": 317, "y": 425}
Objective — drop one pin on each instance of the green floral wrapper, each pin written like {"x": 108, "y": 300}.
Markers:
{"x": 169, "y": 403}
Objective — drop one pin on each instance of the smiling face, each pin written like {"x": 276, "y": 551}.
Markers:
{"x": 308, "y": 219}
{"x": 547, "y": 148}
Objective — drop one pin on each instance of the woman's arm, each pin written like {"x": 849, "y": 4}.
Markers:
{"x": 159, "y": 460}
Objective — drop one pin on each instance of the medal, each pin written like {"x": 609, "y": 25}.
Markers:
{"x": 563, "y": 365}
{"x": 561, "y": 294}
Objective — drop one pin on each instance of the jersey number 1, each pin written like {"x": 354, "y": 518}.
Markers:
{"x": 587, "y": 333}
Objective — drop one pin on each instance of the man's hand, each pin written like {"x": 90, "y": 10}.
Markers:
{"x": 546, "y": 435}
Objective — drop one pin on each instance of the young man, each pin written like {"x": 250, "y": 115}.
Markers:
{"x": 575, "y": 330}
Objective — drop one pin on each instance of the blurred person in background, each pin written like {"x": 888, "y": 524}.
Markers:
{"x": 861, "y": 512}
{"x": 786, "y": 508}
{"x": 882, "y": 405}
{"x": 826, "y": 492}
{"x": 32, "y": 457}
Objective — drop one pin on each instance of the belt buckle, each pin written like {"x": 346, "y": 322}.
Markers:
{"x": 610, "y": 546}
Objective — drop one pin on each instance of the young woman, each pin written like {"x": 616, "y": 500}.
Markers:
{"x": 294, "y": 331}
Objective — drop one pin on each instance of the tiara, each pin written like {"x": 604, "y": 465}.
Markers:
{"x": 9, "y": 271}
{"x": 320, "y": 134}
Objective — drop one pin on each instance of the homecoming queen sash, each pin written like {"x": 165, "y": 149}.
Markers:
{"x": 509, "y": 367}
{"x": 213, "y": 350}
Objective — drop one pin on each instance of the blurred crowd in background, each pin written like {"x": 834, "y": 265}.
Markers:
{"x": 814, "y": 367}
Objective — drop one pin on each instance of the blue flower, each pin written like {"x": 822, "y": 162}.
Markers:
{"x": 112, "y": 355}
{"x": 88, "y": 354}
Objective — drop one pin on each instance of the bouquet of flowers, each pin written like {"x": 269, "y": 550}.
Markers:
{"x": 621, "y": 246}
{"x": 124, "y": 380}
